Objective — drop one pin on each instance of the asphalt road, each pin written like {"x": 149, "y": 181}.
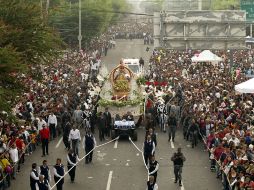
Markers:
{"x": 119, "y": 165}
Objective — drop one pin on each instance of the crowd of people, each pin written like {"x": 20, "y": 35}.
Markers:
{"x": 132, "y": 30}
{"x": 208, "y": 108}
{"x": 65, "y": 94}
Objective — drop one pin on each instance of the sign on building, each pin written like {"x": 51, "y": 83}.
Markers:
{"x": 248, "y": 6}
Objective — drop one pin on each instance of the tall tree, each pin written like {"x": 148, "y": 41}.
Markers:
{"x": 25, "y": 39}
{"x": 97, "y": 15}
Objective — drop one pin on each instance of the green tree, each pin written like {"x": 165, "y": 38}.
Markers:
{"x": 97, "y": 15}
{"x": 25, "y": 39}
{"x": 225, "y": 4}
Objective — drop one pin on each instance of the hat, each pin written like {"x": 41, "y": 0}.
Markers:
{"x": 250, "y": 146}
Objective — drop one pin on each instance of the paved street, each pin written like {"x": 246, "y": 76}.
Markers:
{"x": 122, "y": 160}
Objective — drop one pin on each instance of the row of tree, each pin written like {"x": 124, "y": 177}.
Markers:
{"x": 33, "y": 32}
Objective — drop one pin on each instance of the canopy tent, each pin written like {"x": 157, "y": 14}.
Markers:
{"x": 245, "y": 87}
{"x": 206, "y": 56}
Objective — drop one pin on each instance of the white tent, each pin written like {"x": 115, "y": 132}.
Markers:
{"x": 245, "y": 87}
{"x": 206, "y": 56}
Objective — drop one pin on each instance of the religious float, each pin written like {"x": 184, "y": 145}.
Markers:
{"x": 122, "y": 95}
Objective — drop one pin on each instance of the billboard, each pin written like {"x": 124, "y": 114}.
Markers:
{"x": 200, "y": 29}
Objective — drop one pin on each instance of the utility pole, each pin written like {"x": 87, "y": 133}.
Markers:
{"x": 47, "y": 7}
{"x": 79, "y": 34}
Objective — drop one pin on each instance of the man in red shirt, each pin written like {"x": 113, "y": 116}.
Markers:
{"x": 44, "y": 133}
{"x": 21, "y": 148}
{"x": 217, "y": 154}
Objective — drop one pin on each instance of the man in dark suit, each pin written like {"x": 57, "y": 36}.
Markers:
{"x": 101, "y": 123}
{"x": 108, "y": 120}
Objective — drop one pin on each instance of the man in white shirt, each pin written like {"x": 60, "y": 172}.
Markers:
{"x": 52, "y": 123}
{"x": 41, "y": 122}
{"x": 74, "y": 138}
{"x": 14, "y": 155}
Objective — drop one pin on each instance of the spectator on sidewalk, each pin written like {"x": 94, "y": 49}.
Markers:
{"x": 45, "y": 135}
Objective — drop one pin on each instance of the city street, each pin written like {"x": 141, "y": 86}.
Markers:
{"x": 119, "y": 165}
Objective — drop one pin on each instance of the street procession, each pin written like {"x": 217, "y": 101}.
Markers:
{"x": 123, "y": 94}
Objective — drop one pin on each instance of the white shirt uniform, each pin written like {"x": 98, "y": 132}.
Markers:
{"x": 74, "y": 135}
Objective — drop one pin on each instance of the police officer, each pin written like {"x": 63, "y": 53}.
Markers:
{"x": 193, "y": 131}
{"x": 59, "y": 174}
{"x": 89, "y": 143}
{"x": 151, "y": 184}
{"x": 44, "y": 170}
{"x": 178, "y": 160}
{"x": 43, "y": 184}
{"x": 72, "y": 160}
{"x": 153, "y": 168}
{"x": 148, "y": 148}
{"x": 34, "y": 177}
{"x": 172, "y": 123}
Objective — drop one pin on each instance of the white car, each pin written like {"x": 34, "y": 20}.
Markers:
{"x": 133, "y": 64}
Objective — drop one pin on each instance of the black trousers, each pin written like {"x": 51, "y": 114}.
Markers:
{"x": 52, "y": 129}
{"x": 72, "y": 172}
{"x": 59, "y": 186}
{"x": 45, "y": 143}
{"x": 33, "y": 186}
{"x": 89, "y": 157}
{"x": 147, "y": 157}
{"x": 101, "y": 134}
{"x": 66, "y": 142}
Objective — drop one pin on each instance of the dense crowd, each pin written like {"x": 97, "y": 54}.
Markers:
{"x": 211, "y": 110}
{"x": 131, "y": 30}
{"x": 69, "y": 84}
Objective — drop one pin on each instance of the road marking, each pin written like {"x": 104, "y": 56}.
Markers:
{"x": 107, "y": 164}
{"x": 114, "y": 159}
{"x": 90, "y": 177}
{"x": 59, "y": 142}
{"x": 172, "y": 144}
{"x": 128, "y": 160}
{"x": 116, "y": 143}
{"x": 127, "y": 164}
{"x": 109, "y": 180}
{"x": 137, "y": 154}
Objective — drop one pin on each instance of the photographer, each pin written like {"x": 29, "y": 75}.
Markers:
{"x": 178, "y": 160}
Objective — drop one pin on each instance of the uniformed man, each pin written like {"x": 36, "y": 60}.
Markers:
{"x": 44, "y": 170}
{"x": 178, "y": 160}
{"x": 43, "y": 184}
{"x": 66, "y": 133}
{"x": 72, "y": 160}
{"x": 88, "y": 144}
{"x": 153, "y": 135}
{"x": 172, "y": 124}
{"x": 108, "y": 120}
{"x": 148, "y": 148}
{"x": 153, "y": 168}
{"x": 151, "y": 184}
{"x": 34, "y": 177}
{"x": 59, "y": 174}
